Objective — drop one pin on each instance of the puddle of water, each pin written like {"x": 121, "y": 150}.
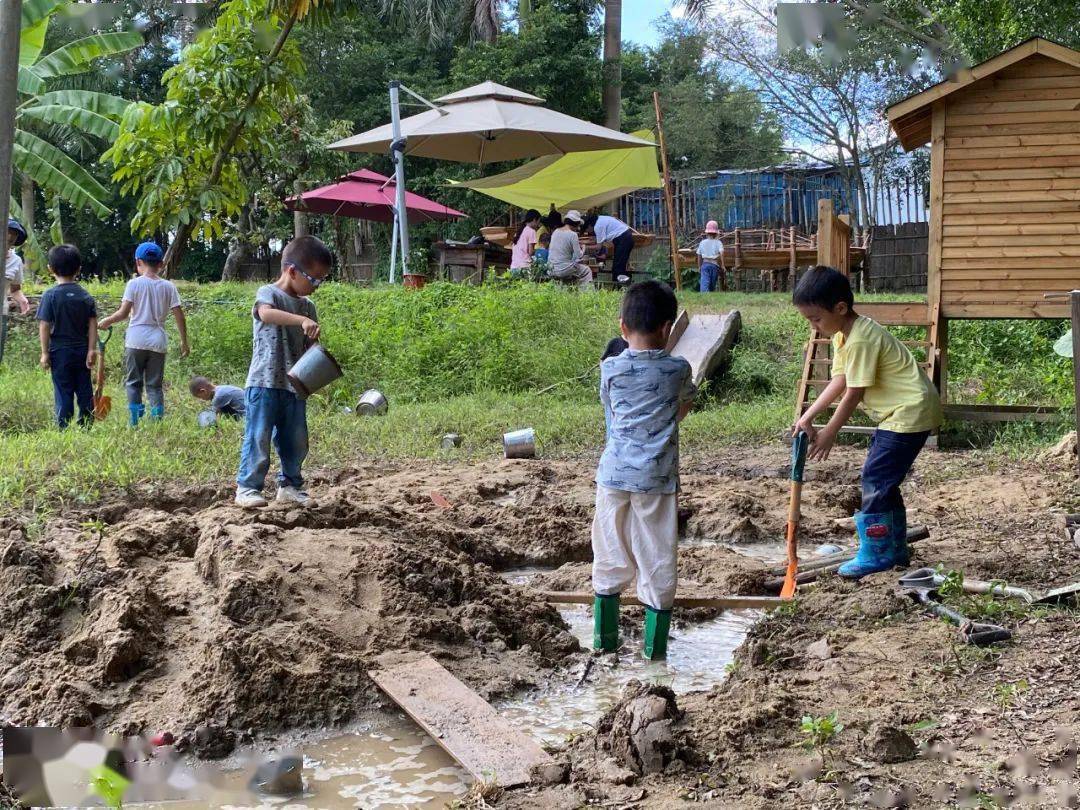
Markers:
{"x": 391, "y": 763}
{"x": 696, "y": 659}
{"x": 766, "y": 552}
{"x": 387, "y": 763}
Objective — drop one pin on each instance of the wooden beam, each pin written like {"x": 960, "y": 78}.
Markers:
{"x": 1074, "y": 311}
{"x": 1045, "y": 310}
{"x": 895, "y": 314}
{"x": 937, "y": 212}
{"x": 461, "y": 722}
{"x": 724, "y": 602}
{"x": 1002, "y": 413}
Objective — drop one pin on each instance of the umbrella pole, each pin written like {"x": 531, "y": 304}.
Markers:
{"x": 393, "y": 247}
{"x": 398, "y": 147}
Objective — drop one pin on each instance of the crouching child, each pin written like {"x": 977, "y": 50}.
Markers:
{"x": 872, "y": 367}
{"x": 646, "y": 393}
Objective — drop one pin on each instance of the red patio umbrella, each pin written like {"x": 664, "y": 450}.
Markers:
{"x": 365, "y": 194}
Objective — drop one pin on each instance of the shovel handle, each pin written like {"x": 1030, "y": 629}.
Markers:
{"x": 799, "y": 445}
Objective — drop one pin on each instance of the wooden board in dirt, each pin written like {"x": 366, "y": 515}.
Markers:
{"x": 724, "y": 602}
{"x": 462, "y": 722}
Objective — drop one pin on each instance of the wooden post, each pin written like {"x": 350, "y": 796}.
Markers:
{"x": 825, "y": 231}
{"x": 1074, "y": 309}
{"x": 667, "y": 193}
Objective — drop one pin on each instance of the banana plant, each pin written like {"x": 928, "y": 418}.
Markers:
{"x": 44, "y": 112}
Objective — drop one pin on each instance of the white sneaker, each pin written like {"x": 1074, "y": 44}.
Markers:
{"x": 249, "y": 498}
{"x": 293, "y": 495}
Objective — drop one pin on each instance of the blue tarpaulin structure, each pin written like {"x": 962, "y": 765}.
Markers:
{"x": 772, "y": 197}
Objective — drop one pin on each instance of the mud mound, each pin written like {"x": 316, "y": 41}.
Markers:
{"x": 210, "y": 621}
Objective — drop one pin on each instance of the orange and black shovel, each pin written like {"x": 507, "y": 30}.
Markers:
{"x": 102, "y": 403}
{"x": 799, "y": 446}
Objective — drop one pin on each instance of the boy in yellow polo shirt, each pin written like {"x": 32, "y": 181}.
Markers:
{"x": 872, "y": 367}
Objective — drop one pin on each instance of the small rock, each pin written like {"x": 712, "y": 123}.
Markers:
{"x": 820, "y": 649}
{"x": 757, "y": 653}
{"x": 676, "y": 766}
{"x": 827, "y": 549}
{"x": 611, "y": 772}
{"x": 280, "y": 776}
{"x": 1076, "y": 537}
{"x": 550, "y": 773}
{"x": 213, "y": 742}
{"x": 888, "y": 744}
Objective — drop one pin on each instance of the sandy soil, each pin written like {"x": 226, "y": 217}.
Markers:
{"x": 178, "y": 611}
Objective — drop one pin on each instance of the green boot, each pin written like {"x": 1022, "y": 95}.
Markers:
{"x": 657, "y": 625}
{"x": 606, "y": 623}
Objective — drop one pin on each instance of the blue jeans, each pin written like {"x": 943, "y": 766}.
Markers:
{"x": 278, "y": 415}
{"x": 889, "y": 461}
{"x": 710, "y": 274}
{"x": 71, "y": 381}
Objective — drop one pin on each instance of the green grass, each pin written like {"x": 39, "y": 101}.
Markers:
{"x": 450, "y": 358}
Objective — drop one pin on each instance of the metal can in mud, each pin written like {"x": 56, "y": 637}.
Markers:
{"x": 372, "y": 403}
{"x": 451, "y": 440}
{"x": 520, "y": 443}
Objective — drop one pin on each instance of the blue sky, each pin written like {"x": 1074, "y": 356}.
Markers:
{"x": 637, "y": 19}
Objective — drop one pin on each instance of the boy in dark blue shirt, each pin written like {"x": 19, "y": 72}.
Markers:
{"x": 67, "y": 328}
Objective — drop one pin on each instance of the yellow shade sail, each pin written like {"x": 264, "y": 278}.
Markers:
{"x": 579, "y": 180}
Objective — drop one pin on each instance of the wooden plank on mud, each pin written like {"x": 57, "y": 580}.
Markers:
{"x": 705, "y": 342}
{"x": 724, "y": 602}
{"x": 462, "y": 722}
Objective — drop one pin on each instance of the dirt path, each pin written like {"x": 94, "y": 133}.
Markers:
{"x": 196, "y": 617}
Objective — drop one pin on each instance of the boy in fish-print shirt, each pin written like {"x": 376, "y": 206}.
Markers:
{"x": 646, "y": 393}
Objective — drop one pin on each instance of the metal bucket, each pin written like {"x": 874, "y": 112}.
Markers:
{"x": 451, "y": 440}
{"x": 520, "y": 443}
{"x": 372, "y": 403}
{"x": 207, "y": 419}
{"x": 315, "y": 369}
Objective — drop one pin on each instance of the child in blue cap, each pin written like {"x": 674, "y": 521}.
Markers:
{"x": 148, "y": 299}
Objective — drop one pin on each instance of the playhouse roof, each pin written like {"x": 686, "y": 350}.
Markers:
{"x": 910, "y": 118}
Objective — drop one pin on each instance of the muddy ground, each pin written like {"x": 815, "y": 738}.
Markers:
{"x": 172, "y": 610}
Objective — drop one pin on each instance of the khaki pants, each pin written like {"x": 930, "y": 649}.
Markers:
{"x": 636, "y": 533}
{"x": 579, "y": 275}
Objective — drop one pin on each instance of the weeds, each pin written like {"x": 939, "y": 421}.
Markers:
{"x": 450, "y": 358}
{"x": 819, "y": 732}
{"x": 1007, "y": 695}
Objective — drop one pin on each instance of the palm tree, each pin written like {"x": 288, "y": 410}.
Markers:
{"x": 50, "y": 121}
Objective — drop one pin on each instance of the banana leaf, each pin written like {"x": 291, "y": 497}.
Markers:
{"x": 52, "y": 169}
{"x": 75, "y": 57}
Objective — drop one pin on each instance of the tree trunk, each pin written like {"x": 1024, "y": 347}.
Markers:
{"x": 612, "y": 92}
{"x": 240, "y": 250}
{"x": 300, "y": 219}
{"x": 183, "y": 233}
{"x": 28, "y": 222}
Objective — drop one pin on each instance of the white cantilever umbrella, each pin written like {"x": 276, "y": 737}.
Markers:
{"x": 489, "y": 123}
{"x": 486, "y": 123}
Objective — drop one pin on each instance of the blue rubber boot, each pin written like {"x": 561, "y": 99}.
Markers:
{"x": 157, "y": 412}
{"x": 902, "y": 551}
{"x": 877, "y": 549}
{"x": 135, "y": 413}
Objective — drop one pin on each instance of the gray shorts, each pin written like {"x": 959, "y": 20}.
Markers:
{"x": 144, "y": 368}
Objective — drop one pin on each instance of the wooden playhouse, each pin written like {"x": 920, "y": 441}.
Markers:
{"x": 1004, "y": 199}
